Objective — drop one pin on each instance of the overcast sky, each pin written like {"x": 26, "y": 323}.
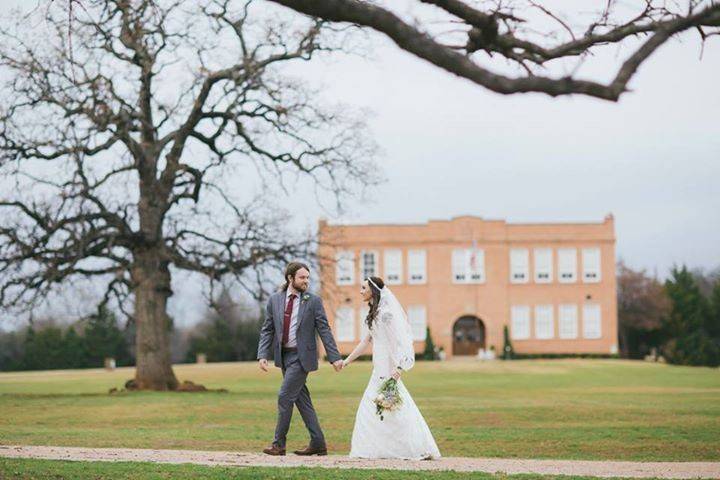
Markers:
{"x": 451, "y": 148}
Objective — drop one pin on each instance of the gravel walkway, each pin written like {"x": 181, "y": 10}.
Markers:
{"x": 490, "y": 465}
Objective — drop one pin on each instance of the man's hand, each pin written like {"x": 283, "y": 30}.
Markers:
{"x": 263, "y": 364}
{"x": 338, "y": 365}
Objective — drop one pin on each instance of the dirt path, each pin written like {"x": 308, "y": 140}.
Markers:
{"x": 490, "y": 465}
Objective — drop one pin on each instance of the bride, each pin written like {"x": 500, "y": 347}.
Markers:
{"x": 401, "y": 433}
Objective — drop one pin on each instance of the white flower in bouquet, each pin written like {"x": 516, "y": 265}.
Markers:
{"x": 388, "y": 398}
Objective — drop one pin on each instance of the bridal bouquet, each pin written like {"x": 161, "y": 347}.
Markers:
{"x": 388, "y": 398}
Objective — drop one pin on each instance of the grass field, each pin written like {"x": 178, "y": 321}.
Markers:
{"x": 54, "y": 470}
{"x": 572, "y": 409}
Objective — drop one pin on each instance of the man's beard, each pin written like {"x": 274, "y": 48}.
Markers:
{"x": 298, "y": 287}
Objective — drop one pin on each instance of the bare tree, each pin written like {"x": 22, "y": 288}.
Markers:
{"x": 129, "y": 155}
{"x": 501, "y": 29}
{"x": 642, "y": 308}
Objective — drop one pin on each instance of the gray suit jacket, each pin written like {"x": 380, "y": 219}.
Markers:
{"x": 311, "y": 319}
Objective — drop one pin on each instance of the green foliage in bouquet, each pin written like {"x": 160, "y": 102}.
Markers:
{"x": 388, "y": 398}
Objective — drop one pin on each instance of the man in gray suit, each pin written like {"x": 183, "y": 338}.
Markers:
{"x": 292, "y": 317}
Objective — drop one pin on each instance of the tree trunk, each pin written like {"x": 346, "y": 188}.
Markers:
{"x": 624, "y": 347}
{"x": 151, "y": 277}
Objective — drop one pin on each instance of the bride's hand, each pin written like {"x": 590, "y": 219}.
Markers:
{"x": 345, "y": 363}
{"x": 396, "y": 375}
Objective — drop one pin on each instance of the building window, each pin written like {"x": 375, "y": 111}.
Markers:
{"x": 520, "y": 322}
{"x": 468, "y": 265}
{"x": 544, "y": 322}
{"x": 369, "y": 260}
{"x": 567, "y": 265}
{"x": 345, "y": 268}
{"x": 417, "y": 267}
{"x": 519, "y": 265}
{"x": 459, "y": 268}
{"x": 568, "y": 321}
{"x": 344, "y": 325}
{"x": 363, "y": 324}
{"x": 417, "y": 316}
{"x": 543, "y": 265}
{"x": 393, "y": 267}
{"x": 591, "y": 321}
{"x": 476, "y": 263}
{"x": 591, "y": 265}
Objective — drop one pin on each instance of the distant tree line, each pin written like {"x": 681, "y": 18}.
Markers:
{"x": 86, "y": 343}
{"x": 678, "y": 319}
{"x": 228, "y": 332}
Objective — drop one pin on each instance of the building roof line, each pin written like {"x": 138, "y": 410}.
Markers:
{"x": 607, "y": 218}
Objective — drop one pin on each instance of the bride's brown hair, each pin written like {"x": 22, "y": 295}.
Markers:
{"x": 375, "y": 300}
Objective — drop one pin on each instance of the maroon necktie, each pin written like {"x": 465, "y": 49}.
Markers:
{"x": 286, "y": 319}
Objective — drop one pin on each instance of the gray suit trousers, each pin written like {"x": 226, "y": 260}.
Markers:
{"x": 293, "y": 391}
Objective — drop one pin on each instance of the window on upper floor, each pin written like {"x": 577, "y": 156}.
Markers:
{"x": 543, "y": 265}
{"x": 393, "y": 267}
{"x": 591, "y": 265}
{"x": 345, "y": 268}
{"x": 417, "y": 267}
{"x": 519, "y": 265}
{"x": 567, "y": 265}
{"x": 459, "y": 267}
{"x": 369, "y": 263}
{"x": 468, "y": 265}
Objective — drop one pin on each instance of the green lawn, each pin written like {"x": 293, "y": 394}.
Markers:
{"x": 574, "y": 409}
{"x": 54, "y": 470}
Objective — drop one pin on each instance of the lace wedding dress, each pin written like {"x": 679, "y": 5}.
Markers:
{"x": 401, "y": 433}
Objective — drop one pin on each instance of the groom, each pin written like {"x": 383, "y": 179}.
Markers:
{"x": 292, "y": 317}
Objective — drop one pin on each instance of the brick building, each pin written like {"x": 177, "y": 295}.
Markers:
{"x": 552, "y": 284}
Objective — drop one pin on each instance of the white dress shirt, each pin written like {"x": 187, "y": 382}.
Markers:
{"x": 292, "y": 337}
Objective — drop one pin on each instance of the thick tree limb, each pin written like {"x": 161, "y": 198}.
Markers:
{"x": 484, "y": 34}
{"x": 118, "y": 167}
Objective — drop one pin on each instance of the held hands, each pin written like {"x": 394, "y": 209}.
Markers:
{"x": 338, "y": 365}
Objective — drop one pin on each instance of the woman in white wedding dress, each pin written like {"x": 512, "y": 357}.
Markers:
{"x": 401, "y": 433}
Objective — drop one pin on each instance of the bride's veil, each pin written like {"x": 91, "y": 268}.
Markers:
{"x": 392, "y": 322}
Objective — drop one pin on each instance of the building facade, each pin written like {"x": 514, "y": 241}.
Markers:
{"x": 465, "y": 279}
